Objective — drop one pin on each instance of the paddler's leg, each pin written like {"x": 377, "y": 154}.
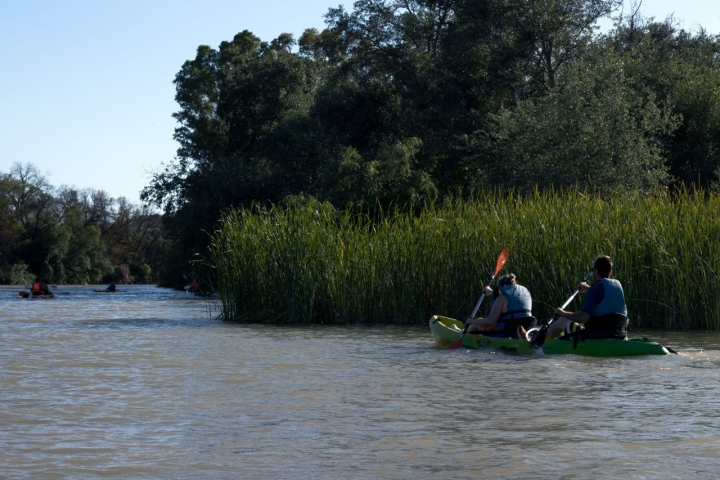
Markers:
{"x": 557, "y": 328}
{"x": 475, "y": 329}
{"x": 480, "y": 329}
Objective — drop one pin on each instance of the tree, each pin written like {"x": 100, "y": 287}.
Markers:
{"x": 78, "y": 252}
{"x": 596, "y": 131}
{"x": 402, "y": 101}
{"x": 522, "y": 46}
{"x": 31, "y": 204}
{"x": 230, "y": 100}
{"x": 69, "y": 235}
{"x": 390, "y": 178}
{"x": 12, "y": 269}
{"x": 683, "y": 70}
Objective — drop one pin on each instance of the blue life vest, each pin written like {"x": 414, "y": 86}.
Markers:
{"x": 519, "y": 312}
{"x": 614, "y": 299}
{"x": 519, "y": 302}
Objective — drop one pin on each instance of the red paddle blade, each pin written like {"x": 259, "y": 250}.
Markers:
{"x": 24, "y": 294}
{"x": 504, "y": 255}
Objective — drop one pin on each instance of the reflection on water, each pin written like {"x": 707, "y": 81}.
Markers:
{"x": 145, "y": 383}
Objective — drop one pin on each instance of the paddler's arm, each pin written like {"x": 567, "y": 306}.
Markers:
{"x": 493, "y": 316}
{"x": 588, "y": 306}
{"x": 577, "y": 317}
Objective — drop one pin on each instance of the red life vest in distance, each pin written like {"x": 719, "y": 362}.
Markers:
{"x": 36, "y": 288}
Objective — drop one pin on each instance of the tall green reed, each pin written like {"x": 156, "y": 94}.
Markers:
{"x": 313, "y": 264}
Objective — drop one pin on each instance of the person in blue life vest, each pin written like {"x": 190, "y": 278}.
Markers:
{"x": 512, "y": 307}
{"x": 604, "y": 312}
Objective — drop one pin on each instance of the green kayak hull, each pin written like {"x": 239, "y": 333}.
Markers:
{"x": 447, "y": 330}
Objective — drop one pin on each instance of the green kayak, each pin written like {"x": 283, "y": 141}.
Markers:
{"x": 447, "y": 330}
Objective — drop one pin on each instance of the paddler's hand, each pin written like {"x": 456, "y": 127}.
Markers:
{"x": 560, "y": 312}
{"x": 583, "y": 287}
{"x": 487, "y": 291}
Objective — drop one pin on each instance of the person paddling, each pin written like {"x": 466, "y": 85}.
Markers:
{"x": 111, "y": 288}
{"x": 36, "y": 287}
{"x": 604, "y": 312}
{"x": 512, "y": 307}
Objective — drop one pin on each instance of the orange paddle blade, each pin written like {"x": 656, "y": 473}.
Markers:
{"x": 456, "y": 344}
{"x": 502, "y": 258}
{"x": 504, "y": 255}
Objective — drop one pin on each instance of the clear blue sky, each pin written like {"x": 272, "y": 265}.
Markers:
{"x": 86, "y": 90}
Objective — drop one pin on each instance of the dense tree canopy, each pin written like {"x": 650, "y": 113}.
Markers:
{"x": 408, "y": 101}
{"x": 73, "y": 236}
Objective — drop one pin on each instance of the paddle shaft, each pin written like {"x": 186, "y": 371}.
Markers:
{"x": 570, "y": 299}
{"x": 502, "y": 258}
{"x": 479, "y": 302}
{"x": 567, "y": 302}
{"x": 477, "y": 307}
{"x": 539, "y": 338}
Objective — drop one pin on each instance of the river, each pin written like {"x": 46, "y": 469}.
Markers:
{"x": 147, "y": 384}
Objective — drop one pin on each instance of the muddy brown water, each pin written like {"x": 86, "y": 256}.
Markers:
{"x": 147, "y": 384}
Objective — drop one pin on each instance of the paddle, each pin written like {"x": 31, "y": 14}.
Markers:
{"x": 502, "y": 258}
{"x": 539, "y": 338}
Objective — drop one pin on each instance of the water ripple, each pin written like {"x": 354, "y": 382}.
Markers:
{"x": 150, "y": 385}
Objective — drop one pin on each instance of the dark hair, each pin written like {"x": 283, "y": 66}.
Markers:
{"x": 508, "y": 279}
{"x": 603, "y": 265}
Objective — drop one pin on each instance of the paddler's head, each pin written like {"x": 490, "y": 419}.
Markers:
{"x": 602, "y": 268}
{"x": 508, "y": 279}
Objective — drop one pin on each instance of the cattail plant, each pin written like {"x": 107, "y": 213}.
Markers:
{"x": 314, "y": 264}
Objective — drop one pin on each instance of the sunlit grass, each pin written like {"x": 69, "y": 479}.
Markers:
{"x": 312, "y": 264}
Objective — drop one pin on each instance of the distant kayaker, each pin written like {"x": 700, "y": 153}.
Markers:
{"x": 44, "y": 287}
{"x": 111, "y": 288}
{"x": 512, "y": 307}
{"x": 36, "y": 287}
{"x": 604, "y": 312}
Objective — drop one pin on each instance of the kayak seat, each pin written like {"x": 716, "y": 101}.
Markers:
{"x": 612, "y": 325}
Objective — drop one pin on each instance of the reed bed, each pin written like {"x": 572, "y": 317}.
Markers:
{"x": 313, "y": 264}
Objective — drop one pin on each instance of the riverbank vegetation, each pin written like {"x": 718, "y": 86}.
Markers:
{"x": 311, "y": 263}
{"x": 72, "y": 236}
{"x": 412, "y": 102}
